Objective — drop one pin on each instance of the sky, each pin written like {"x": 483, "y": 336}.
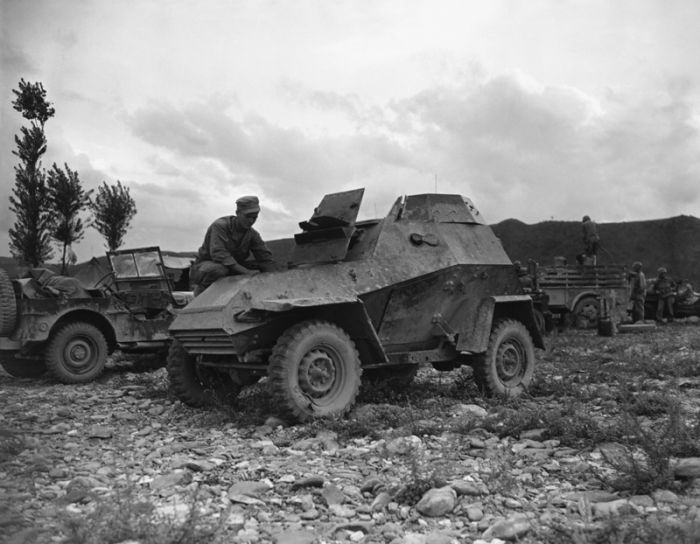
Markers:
{"x": 534, "y": 109}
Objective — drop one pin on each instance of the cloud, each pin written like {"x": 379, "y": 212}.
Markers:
{"x": 519, "y": 148}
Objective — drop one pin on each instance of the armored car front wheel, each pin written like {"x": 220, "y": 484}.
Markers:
{"x": 507, "y": 367}
{"x": 195, "y": 384}
{"x": 315, "y": 370}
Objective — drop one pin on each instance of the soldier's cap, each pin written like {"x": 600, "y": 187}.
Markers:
{"x": 661, "y": 270}
{"x": 247, "y": 204}
{"x": 637, "y": 265}
{"x": 586, "y": 218}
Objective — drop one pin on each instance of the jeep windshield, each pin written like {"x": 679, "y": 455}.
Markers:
{"x": 144, "y": 264}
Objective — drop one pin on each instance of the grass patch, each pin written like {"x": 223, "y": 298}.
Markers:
{"x": 656, "y": 529}
{"x": 127, "y": 517}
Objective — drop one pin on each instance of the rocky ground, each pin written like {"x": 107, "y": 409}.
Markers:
{"x": 605, "y": 448}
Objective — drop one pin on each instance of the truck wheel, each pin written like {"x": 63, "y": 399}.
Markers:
{"x": 198, "y": 385}
{"x": 586, "y": 313}
{"x": 507, "y": 367}
{"x": 540, "y": 322}
{"x": 77, "y": 353}
{"x": 315, "y": 370}
{"x": 21, "y": 367}
{"x": 8, "y": 305}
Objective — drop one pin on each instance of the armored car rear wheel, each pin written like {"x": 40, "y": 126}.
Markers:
{"x": 198, "y": 385}
{"x": 77, "y": 353}
{"x": 315, "y": 370}
{"x": 507, "y": 367}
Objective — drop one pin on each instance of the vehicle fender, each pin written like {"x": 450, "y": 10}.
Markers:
{"x": 88, "y": 316}
{"x": 519, "y": 307}
{"x": 353, "y": 318}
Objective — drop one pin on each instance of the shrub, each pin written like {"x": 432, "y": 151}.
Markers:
{"x": 124, "y": 516}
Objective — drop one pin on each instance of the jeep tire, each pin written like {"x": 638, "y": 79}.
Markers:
{"x": 507, "y": 367}
{"x": 315, "y": 370}
{"x": 8, "y": 305}
{"x": 76, "y": 353}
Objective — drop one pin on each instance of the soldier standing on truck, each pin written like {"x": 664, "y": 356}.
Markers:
{"x": 227, "y": 244}
{"x": 638, "y": 291}
{"x": 665, "y": 289}
{"x": 591, "y": 240}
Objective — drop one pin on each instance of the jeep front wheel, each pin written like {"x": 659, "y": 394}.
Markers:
{"x": 507, "y": 367}
{"x": 315, "y": 370}
{"x": 77, "y": 353}
{"x": 198, "y": 385}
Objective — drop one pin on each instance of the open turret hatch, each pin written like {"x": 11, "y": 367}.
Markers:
{"x": 326, "y": 236}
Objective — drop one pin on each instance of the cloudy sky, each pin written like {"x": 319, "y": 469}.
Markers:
{"x": 536, "y": 109}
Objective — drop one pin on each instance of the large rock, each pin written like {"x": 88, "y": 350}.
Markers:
{"x": 404, "y": 445}
{"x": 509, "y": 529}
{"x": 687, "y": 468}
{"x": 437, "y": 502}
{"x": 248, "y": 488}
{"x": 614, "y": 508}
{"x": 473, "y": 411}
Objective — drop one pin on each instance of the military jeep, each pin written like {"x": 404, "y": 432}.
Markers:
{"x": 54, "y": 323}
{"x": 361, "y": 300}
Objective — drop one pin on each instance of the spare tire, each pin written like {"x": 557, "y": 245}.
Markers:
{"x": 8, "y": 305}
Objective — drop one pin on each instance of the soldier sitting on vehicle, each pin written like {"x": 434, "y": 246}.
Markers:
{"x": 665, "y": 289}
{"x": 227, "y": 244}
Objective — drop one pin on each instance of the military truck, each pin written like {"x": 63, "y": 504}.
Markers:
{"x": 54, "y": 323}
{"x": 575, "y": 292}
{"x": 429, "y": 283}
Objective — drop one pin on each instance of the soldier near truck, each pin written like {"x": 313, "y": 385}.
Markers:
{"x": 638, "y": 291}
{"x": 665, "y": 289}
{"x": 591, "y": 241}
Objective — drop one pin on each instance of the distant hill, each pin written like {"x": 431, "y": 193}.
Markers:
{"x": 672, "y": 243}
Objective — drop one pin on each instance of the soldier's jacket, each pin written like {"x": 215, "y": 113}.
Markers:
{"x": 226, "y": 243}
{"x": 664, "y": 287}
{"x": 639, "y": 286}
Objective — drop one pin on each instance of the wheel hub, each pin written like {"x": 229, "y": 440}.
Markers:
{"x": 510, "y": 361}
{"x": 78, "y": 353}
{"x": 317, "y": 373}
